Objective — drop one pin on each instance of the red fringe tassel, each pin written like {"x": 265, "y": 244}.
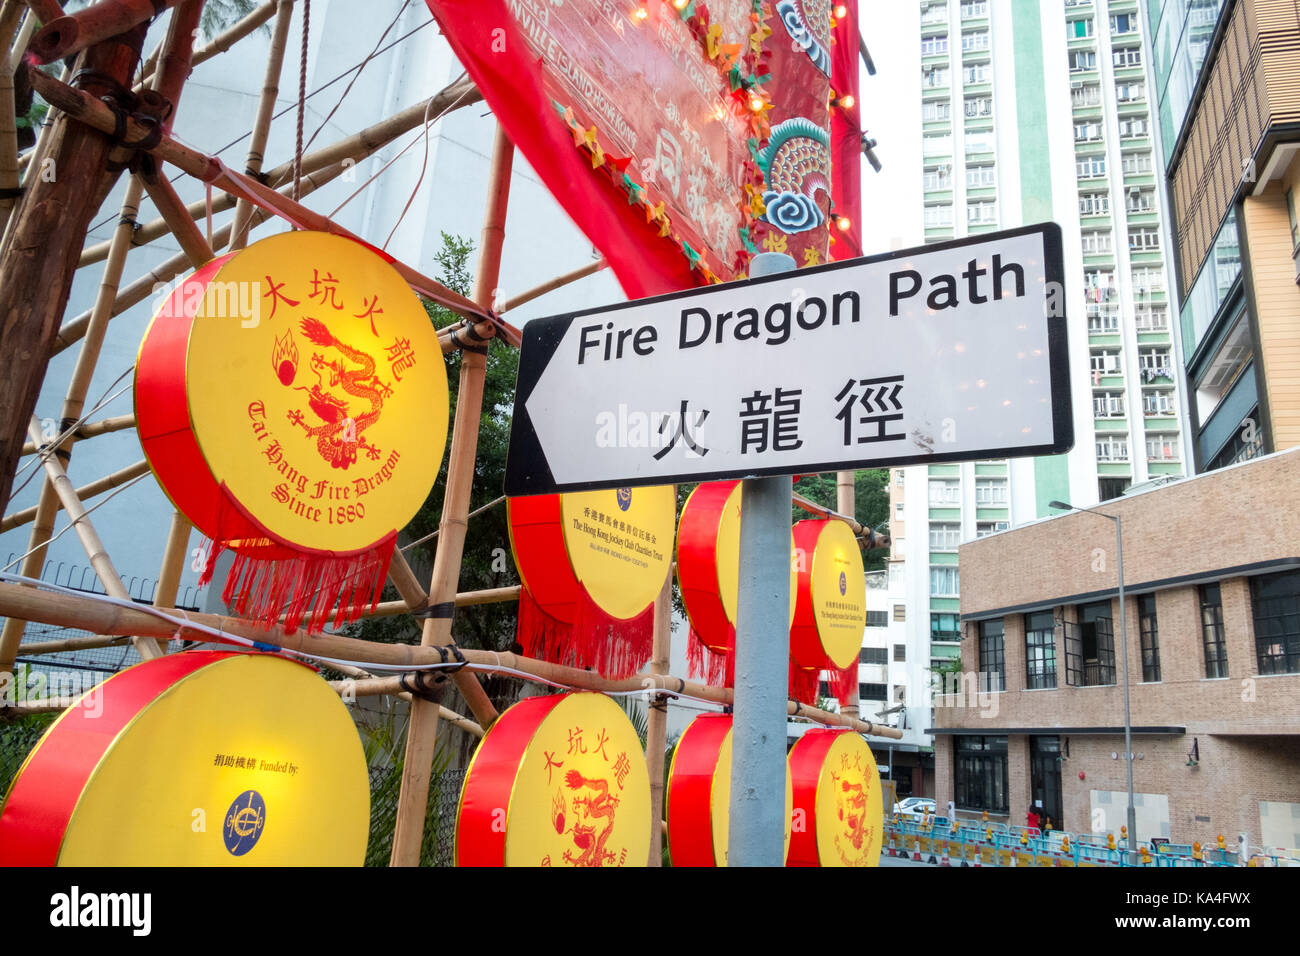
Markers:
{"x": 844, "y": 683}
{"x": 611, "y": 646}
{"x": 804, "y": 684}
{"x": 711, "y": 667}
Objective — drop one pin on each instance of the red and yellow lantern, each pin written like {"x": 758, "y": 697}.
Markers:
{"x": 708, "y": 570}
{"x": 592, "y": 564}
{"x": 556, "y": 781}
{"x": 699, "y": 794}
{"x": 291, "y": 399}
{"x": 831, "y": 610}
{"x": 837, "y": 796}
{"x": 204, "y": 758}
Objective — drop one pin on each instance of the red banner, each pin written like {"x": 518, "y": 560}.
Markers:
{"x": 681, "y": 137}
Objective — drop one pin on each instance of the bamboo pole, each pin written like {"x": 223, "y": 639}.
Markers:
{"x": 351, "y": 150}
{"x": 463, "y": 599}
{"x": 72, "y": 644}
{"x": 262, "y": 125}
{"x": 46, "y": 11}
{"x": 414, "y": 597}
{"x": 185, "y": 229}
{"x": 9, "y": 180}
{"x": 69, "y": 34}
{"x": 422, "y": 728}
{"x": 173, "y": 561}
{"x": 225, "y": 40}
{"x": 149, "y": 284}
{"x": 656, "y": 737}
{"x": 90, "y": 429}
{"x": 90, "y": 541}
{"x": 100, "y": 617}
{"x": 558, "y": 282}
{"x": 85, "y": 493}
{"x": 872, "y": 540}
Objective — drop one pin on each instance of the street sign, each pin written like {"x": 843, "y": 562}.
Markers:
{"x": 949, "y": 352}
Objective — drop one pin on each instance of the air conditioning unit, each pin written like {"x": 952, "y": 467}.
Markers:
{"x": 1135, "y": 190}
{"x": 1076, "y": 84}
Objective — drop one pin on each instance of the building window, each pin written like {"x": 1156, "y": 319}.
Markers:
{"x": 1154, "y": 363}
{"x": 899, "y": 477}
{"x": 981, "y": 212}
{"x": 1275, "y": 603}
{"x": 935, "y": 77}
{"x": 937, "y": 216}
{"x": 945, "y": 536}
{"x": 1162, "y": 447}
{"x": 934, "y": 110}
{"x": 1090, "y": 647}
{"x": 978, "y": 106}
{"x": 1108, "y": 488}
{"x": 980, "y": 773}
{"x": 1040, "y": 651}
{"x": 945, "y": 492}
{"x": 937, "y": 145}
{"x": 1094, "y": 204}
{"x": 1104, "y": 362}
{"x": 934, "y": 13}
{"x": 1131, "y": 92}
{"x": 1131, "y": 127}
{"x": 974, "y": 41}
{"x": 990, "y": 491}
{"x": 1085, "y": 95}
{"x": 1153, "y": 318}
{"x": 900, "y": 612}
{"x": 1108, "y": 404}
{"x": 1087, "y": 132}
{"x": 1158, "y": 401}
{"x": 1096, "y": 243}
{"x": 1079, "y": 29}
{"x": 1150, "y": 637}
{"x": 944, "y": 581}
{"x": 873, "y": 655}
{"x": 979, "y": 141}
{"x": 933, "y": 46}
{"x": 1123, "y": 23}
{"x": 1103, "y": 319}
{"x": 985, "y": 528}
{"x": 1147, "y": 280}
{"x": 1136, "y": 164}
{"x": 1143, "y": 238}
{"x": 980, "y": 175}
{"x": 1124, "y": 56}
{"x": 945, "y": 627}
{"x": 974, "y": 8}
{"x": 1112, "y": 448}
{"x": 1216, "y": 647}
{"x": 992, "y": 656}
{"x": 1081, "y": 60}
{"x": 936, "y": 178}
{"x": 878, "y": 692}
{"x": 975, "y": 73}
{"x": 900, "y": 653}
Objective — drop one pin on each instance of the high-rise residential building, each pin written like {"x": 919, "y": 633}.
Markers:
{"x": 1227, "y": 93}
{"x": 1029, "y": 112}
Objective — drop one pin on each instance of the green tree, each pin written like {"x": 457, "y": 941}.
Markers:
{"x": 870, "y": 504}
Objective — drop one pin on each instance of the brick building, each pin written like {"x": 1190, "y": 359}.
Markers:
{"x": 1212, "y": 582}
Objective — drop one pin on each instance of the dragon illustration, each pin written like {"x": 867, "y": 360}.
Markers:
{"x": 853, "y": 805}
{"x": 339, "y": 435}
{"x": 796, "y": 166}
{"x": 586, "y": 811}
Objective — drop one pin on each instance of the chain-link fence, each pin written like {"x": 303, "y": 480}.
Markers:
{"x": 439, "y": 820}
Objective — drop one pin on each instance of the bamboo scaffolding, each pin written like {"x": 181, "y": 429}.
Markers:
{"x": 656, "y": 736}
{"x": 422, "y": 728}
{"x": 148, "y": 284}
{"x": 173, "y": 561}
{"x": 72, "y": 33}
{"x": 90, "y": 429}
{"x": 872, "y": 540}
{"x": 85, "y": 493}
{"x": 101, "y": 617}
{"x": 262, "y": 125}
{"x": 90, "y": 542}
{"x": 185, "y": 229}
{"x": 225, "y": 40}
{"x": 72, "y": 644}
{"x": 558, "y": 282}
{"x": 463, "y": 599}
{"x": 46, "y": 11}
{"x": 9, "y": 15}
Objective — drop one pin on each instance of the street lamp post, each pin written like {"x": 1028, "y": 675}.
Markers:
{"x": 1123, "y": 645}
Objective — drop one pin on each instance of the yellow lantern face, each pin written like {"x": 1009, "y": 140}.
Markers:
{"x": 317, "y": 390}
{"x": 839, "y": 593}
{"x": 728, "y": 559}
{"x": 850, "y": 808}
{"x": 620, "y": 543}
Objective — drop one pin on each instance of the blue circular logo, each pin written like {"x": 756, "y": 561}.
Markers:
{"x": 844, "y": 584}
{"x": 245, "y": 821}
{"x": 624, "y": 498}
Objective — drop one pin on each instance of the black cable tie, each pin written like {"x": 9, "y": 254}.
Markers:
{"x": 473, "y": 333}
{"x": 445, "y": 609}
{"x": 261, "y": 177}
{"x": 149, "y": 140}
{"x": 417, "y": 685}
{"x": 119, "y": 118}
{"x": 465, "y": 346}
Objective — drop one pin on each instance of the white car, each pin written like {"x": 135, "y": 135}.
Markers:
{"x": 915, "y": 807}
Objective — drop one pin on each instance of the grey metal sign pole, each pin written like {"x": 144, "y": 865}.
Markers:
{"x": 757, "y": 827}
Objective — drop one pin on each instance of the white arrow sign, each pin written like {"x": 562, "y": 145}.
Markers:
{"x": 949, "y": 352}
